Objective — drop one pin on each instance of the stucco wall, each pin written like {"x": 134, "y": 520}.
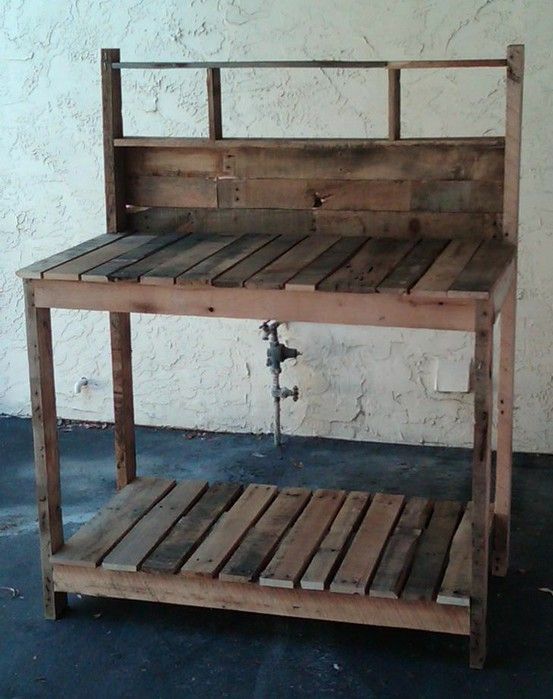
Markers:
{"x": 358, "y": 383}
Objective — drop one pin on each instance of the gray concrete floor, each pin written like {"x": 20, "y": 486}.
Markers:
{"x": 109, "y": 648}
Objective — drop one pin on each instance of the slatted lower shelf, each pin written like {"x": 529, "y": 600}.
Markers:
{"x": 329, "y": 554}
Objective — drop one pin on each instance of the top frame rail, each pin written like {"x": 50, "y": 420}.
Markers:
{"x": 391, "y": 65}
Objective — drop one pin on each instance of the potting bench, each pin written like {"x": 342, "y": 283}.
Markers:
{"x": 411, "y": 233}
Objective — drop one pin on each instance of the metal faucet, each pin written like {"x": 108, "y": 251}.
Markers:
{"x": 276, "y": 354}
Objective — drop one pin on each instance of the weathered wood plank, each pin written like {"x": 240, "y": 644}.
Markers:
{"x": 260, "y": 543}
{"x": 481, "y": 273}
{"x": 45, "y": 444}
{"x": 123, "y": 398}
{"x": 215, "y": 116}
{"x": 139, "y": 542}
{"x": 95, "y": 540}
{"x": 307, "y": 194}
{"x": 309, "y": 278}
{"x": 359, "y": 565}
{"x": 446, "y": 195}
{"x": 72, "y": 270}
{"x": 112, "y": 128}
{"x": 212, "y": 554}
{"x": 369, "y": 266}
{"x": 411, "y": 268}
{"x": 431, "y": 556}
{"x": 147, "y": 190}
{"x": 205, "y": 271}
{"x": 36, "y": 269}
{"x": 173, "y": 162}
{"x": 455, "y": 587}
{"x": 321, "y": 570}
{"x": 276, "y": 274}
{"x": 513, "y": 136}
{"x": 398, "y": 555}
{"x": 191, "y": 251}
{"x": 136, "y": 270}
{"x": 447, "y": 267}
{"x": 395, "y": 224}
{"x": 302, "y": 540}
{"x": 189, "y": 531}
{"x": 104, "y": 272}
{"x": 257, "y": 261}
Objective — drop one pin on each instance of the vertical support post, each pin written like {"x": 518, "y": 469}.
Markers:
{"x": 116, "y": 219}
{"x": 504, "y": 461}
{"x": 481, "y": 480}
{"x": 513, "y": 129}
{"x": 45, "y": 439}
{"x": 214, "y": 103}
{"x": 123, "y": 406}
{"x": 394, "y": 104}
{"x": 112, "y": 127}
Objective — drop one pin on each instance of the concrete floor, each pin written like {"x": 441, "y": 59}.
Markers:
{"x": 106, "y": 648}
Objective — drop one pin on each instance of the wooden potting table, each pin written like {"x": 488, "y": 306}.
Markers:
{"x": 411, "y": 233}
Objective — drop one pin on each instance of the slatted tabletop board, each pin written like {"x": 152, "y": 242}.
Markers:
{"x": 385, "y": 546}
{"x": 429, "y": 267}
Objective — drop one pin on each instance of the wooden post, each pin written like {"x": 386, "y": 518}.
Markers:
{"x": 503, "y": 476}
{"x": 112, "y": 121}
{"x": 116, "y": 218}
{"x": 481, "y": 480}
{"x": 123, "y": 406}
{"x": 45, "y": 438}
{"x": 394, "y": 104}
{"x": 513, "y": 129}
{"x": 214, "y": 103}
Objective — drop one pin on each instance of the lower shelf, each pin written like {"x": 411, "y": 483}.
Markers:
{"x": 376, "y": 559}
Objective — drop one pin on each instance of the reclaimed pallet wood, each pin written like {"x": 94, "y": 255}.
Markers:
{"x": 91, "y": 544}
{"x": 260, "y": 543}
{"x": 359, "y": 565}
{"x": 447, "y": 267}
{"x": 294, "y": 553}
{"x": 431, "y": 556}
{"x": 333, "y": 547}
{"x": 189, "y": 531}
{"x": 129, "y": 553}
{"x": 323, "y": 266}
{"x": 412, "y": 267}
{"x": 455, "y": 586}
{"x": 222, "y": 541}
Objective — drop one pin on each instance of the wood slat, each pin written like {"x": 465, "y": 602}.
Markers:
{"x": 103, "y": 272}
{"x": 376, "y": 195}
{"x": 144, "y": 190}
{"x": 369, "y": 266}
{"x": 261, "y": 541}
{"x": 446, "y": 195}
{"x": 482, "y": 272}
{"x": 329, "y": 555}
{"x": 299, "y": 545}
{"x": 309, "y": 278}
{"x": 240, "y": 273}
{"x": 431, "y": 556}
{"x": 148, "y": 531}
{"x": 191, "y": 529}
{"x": 72, "y": 270}
{"x": 411, "y": 268}
{"x": 204, "y": 272}
{"x": 194, "y": 250}
{"x": 368, "y": 160}
{"x": 455, "y": 587}
{"x": 168, "y": 254}
{"x": 398, "y": 555}
{"x": 447, "y": 267}
{"x": 276, "y": 274}
{"x": 37, "y": 269}
{"x": 97, "y": 538}
{"x": 395, "y": 224}
{"x": 359, "y": 565}
{"x": 220, "y": 544}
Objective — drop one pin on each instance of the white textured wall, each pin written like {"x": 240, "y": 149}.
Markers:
{"x": 359, "y": 383}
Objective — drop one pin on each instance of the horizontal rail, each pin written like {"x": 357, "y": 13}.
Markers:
{"x": 391, "y": 65}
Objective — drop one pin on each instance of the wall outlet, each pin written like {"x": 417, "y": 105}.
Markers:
{"x": 452, "y": 376}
